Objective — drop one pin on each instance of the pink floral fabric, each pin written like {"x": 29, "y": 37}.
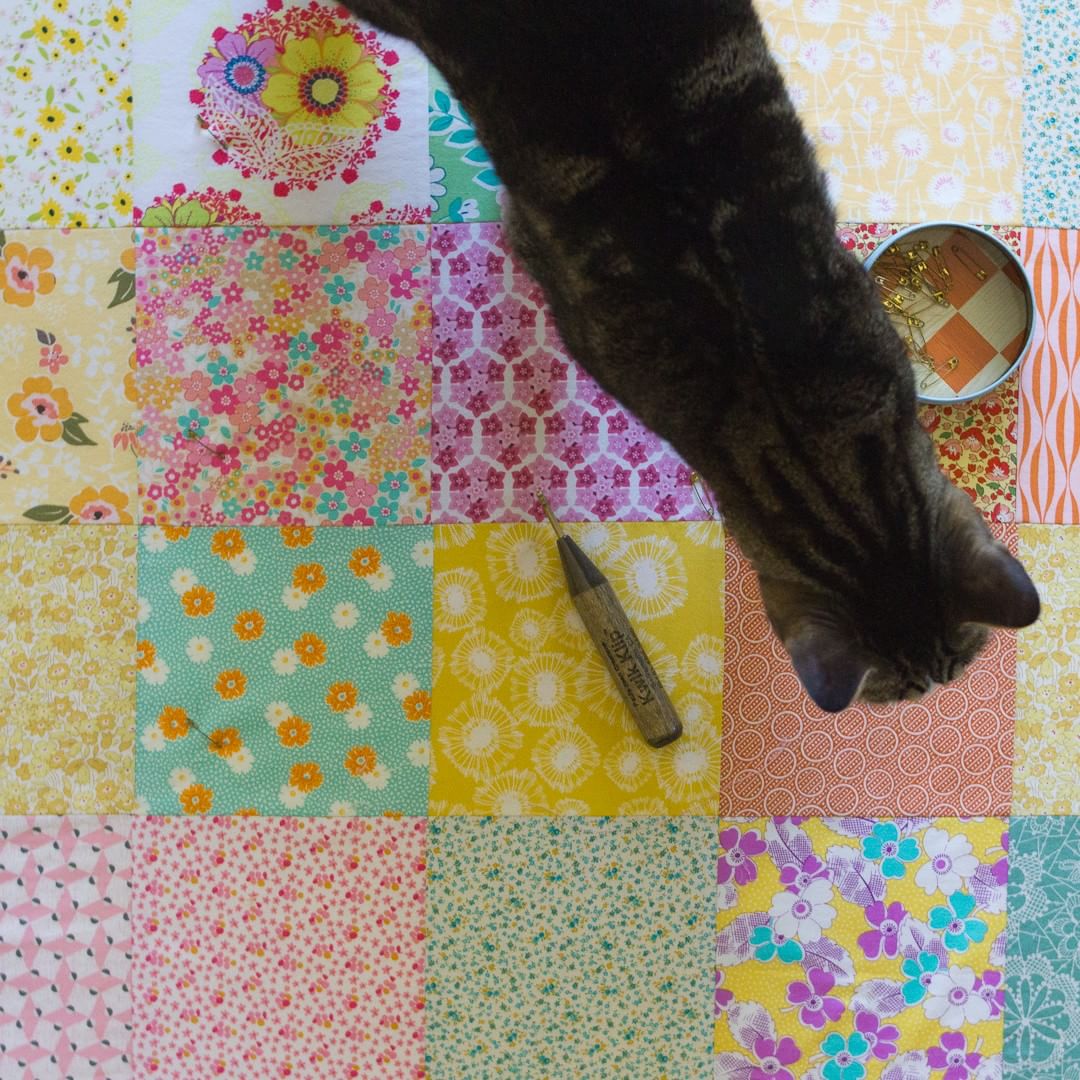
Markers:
{"x": 513, "y": 412}
{"x": 269, "y": 948}
{"x": 284, "y": 375}
{"x": 65, "y": 948}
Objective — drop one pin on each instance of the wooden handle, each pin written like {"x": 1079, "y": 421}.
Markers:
{"x": 624, "y": 657}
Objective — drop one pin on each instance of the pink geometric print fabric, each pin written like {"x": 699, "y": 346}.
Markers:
{"x": 270, "y": 947}
{"x": 65, "y": 948}
{"x": 513, "y": 412}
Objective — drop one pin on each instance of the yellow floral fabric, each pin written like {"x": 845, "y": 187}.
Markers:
{"x": 853, "y": 949}
{"x": 67, "y": 670}
{"x": 915, "y": 109}
{"x": 67, "y": 437}
{"x": 1046, "y": 776}
{"x": 65, "y": 142}
{"x": 527, "y": 720}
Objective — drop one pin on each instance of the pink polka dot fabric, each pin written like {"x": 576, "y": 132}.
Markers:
{"x": 278, "y": 947}
{"x": 949, "y": 755}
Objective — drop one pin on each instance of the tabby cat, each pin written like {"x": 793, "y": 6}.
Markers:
{"x": 665, "y": 195}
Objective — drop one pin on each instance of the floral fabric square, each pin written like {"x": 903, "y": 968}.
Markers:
{"x": 278, "y": 947}
{"x": 975, "y": 440}
{"x": 915, "y": 111}
{"x": 65, "y": 143}
{"x": 1047, "y": 770}
{"x": 555, "y": 946}
{"x": 529, "y": 721}
{"x": 65, "y": 948}
{"x": 67, "y": 432}
{"x": 514, "y": 412}
{"x": 67, "y": 691}
{"x": 284, "y": 375}
{"x": 1042, "y": 1012}
{"x": 464, "y": 185}
{"x": 284, "y": 671}
{"x": 950, "y": 753}
{"x": 287, "y": 112}
{"x": 1052, "y": 113}
{"x": 850, "y": 949}
{"x": 1049, "y": 475}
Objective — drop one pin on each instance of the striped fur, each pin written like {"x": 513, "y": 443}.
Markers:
{"x": 666, "y": 197}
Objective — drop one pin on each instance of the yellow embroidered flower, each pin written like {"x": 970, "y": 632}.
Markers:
{"x": 34, "y": 141}
{"x": 124, "y": 99}
{"x": 51, "y": 119}
{"x": 50, "y": 212}
{"x": 332, "y": 83}
{"x": 40, "y": 409}
{"x": 115, "y": 18}
{"x": 24, "y": 274}
{"x": 72, "y": 41}
{"x": 23, "y": 74}
{"x": 44, "y": 30}
{"x": 60, "y": 6}
{"x": 70, "y": 150}
{"x": 122, "y": 202}
{"x": 66, "y": 188}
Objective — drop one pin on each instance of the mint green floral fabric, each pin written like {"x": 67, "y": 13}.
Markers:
{"x": 464, "y": 185}
{"x": 570, "y": 949}
{"x": 284, "y": 671}
{"x": 1042, "y": 1013}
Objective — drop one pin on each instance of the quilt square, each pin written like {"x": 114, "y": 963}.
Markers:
{"x": 284, "y": 375}
{"x": 851, "y": 949}
{"x": 278, "y": 948}
{"x": 67, "y": 434}
{"x": 1042, "y": 971}
{"x": 880, "y": 92}
{"x": 554, "y": 946}
{"x": 67, "y": 689}
{"x": 65, "y": 948}
{"x": 1047, "y": 767}
{"x": 1049, "y": 471}
{"x": 284, "y": 671}
{"x": 513, "y": 411}
{"x": 950, "y": 753}
{"x": 464, "y": 185}
{"x": 1051, "y": 113}
{"x": 286, "y": 112}
{"x": 65, "y": 143}
{"x": 528, "y": 720}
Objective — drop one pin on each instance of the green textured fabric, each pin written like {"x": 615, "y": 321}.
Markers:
{"x": 284, "y": 671}
{"x": 464, "y": 185}
{"x": 576, "y": 948}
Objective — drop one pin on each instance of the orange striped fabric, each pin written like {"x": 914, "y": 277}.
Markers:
{"x": 1048, "y": 476}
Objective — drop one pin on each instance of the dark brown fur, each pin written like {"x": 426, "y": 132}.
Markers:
{"x": 665, "y": 196}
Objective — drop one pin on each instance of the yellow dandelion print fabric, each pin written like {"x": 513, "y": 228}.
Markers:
{"x": 527, "y": 719}
{"x": 67, "y": 393}
{"x": 915, "y": 109}
{"x": 67, "y": 678}
{"x": 65, "y": 141}
{"x": 1046, "y": 778}
{"x": 851, "y": 949}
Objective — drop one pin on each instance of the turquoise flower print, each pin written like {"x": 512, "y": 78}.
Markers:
{"x": 385, "y": 236}
{"x": 885, "y": 844}
{"x": 222, "y": 371}
{"x": 919, "y": 973}
{"x": 339, "y": 290}
{"x": 254, "y": 261}
{"x": 960, "y": 931}
{"x": 332, "y": 505}
{"x": 287, "y": 258}
{"x": 769, "y": 944}
{"x": 354, "y": 446}
{"x": 193, "y": 424}
{"x": 301, "y": 347}
{"x": 394, "y": 484}
{"x": 334, "y": 233}
{"x": 844, "y": 1056}
{"x": 385, "y": 510}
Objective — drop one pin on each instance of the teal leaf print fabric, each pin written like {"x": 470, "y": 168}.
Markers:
{"x": 1042, "y": 1014}
{"x": 569, "y": 949}
{"x": 464, "y": 184}
{"x": 284, "y": 671}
